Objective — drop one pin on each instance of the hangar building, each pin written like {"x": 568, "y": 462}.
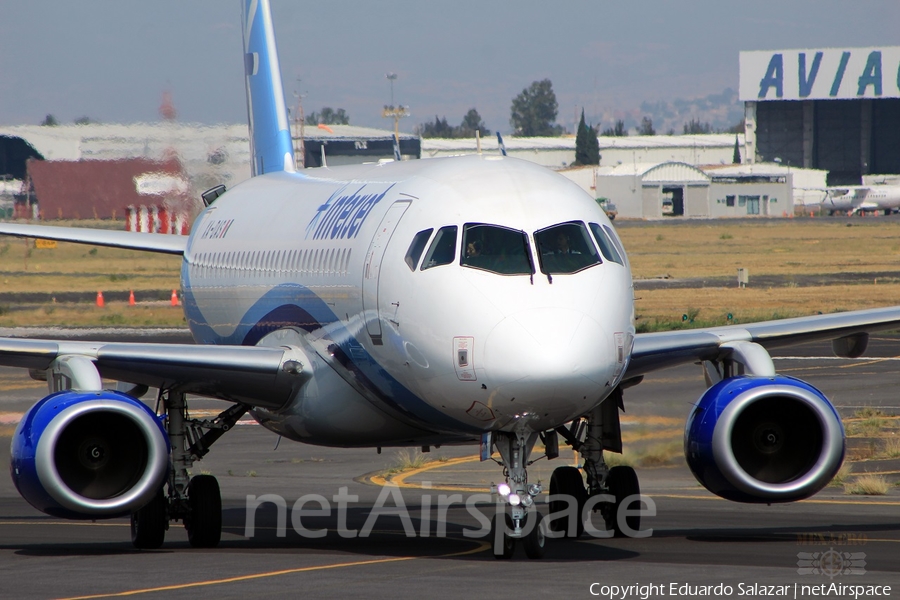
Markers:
{"x": 836, "y": 109}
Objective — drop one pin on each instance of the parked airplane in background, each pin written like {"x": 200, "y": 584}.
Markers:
{"x": 862, "y": 198}
{"x": 415, "y": 303}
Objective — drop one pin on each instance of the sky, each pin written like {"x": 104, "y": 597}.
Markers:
{"x": 112, "y": 60}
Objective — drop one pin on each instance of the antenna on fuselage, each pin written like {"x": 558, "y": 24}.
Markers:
{"x": 322, "y": 148}
{"x": 502, "y": 145}
{"x": 396, "y": 148}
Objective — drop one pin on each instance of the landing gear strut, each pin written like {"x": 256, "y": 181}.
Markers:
{"x": 196, "y": 501}
{"x": 517, "y": 518}
{"x": 590, "y": 436}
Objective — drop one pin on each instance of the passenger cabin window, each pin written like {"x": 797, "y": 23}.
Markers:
{"x": 607, "y": 248}
{"x": 496, "y": 249}
{"x": 443, "y": 248}
{"x": 566, "y": 248}
{"x": 416, "y": 248}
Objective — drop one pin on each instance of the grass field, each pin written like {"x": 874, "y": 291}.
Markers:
{"x": 790, "y": 248}
{"x": 783, "y": 247}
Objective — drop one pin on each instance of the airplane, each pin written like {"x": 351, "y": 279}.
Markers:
{"x": 861, "y": 198}
{"x": 464, "y": 300}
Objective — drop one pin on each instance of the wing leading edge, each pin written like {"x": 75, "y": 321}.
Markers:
{"x": 653, "y": 351}
{"x": 258, "y": 376}
{"x": 149, "y": 242}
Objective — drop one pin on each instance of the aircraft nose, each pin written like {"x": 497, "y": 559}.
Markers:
{"x": 549, "y": 353}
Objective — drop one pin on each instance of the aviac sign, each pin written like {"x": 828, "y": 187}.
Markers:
{"x": 829, "y": 74}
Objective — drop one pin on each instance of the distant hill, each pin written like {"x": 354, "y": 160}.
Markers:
{"x": 721, "y": 111}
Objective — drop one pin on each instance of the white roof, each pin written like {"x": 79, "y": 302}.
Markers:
{"x": 712, "y": 140}
{"x": 657, "y": 172}
{"x": 753, "y": 169}
{"x": 716, "y": 140}
{"x": 349, "y": 132}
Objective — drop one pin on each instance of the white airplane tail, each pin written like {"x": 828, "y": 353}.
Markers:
{"x": 270, "y": 135}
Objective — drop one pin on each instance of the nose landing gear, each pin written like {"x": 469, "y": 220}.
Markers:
{"x": 517, "y": 517}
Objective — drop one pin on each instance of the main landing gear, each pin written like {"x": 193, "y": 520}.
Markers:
{"x": 196, "y": 501}
{"x": 572, "y": 502}
{"x": 598, "y": 431}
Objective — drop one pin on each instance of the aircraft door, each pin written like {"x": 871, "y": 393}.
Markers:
{"x": 372, "y": 267}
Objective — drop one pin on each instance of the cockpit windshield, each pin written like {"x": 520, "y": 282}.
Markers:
{"x": 496, "y": 249}
{"x": 566, "y": 248}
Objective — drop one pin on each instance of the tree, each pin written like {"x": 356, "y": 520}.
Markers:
{"x": 736, "y": 157}
{"x": 471, "y": 123}
{"x": 85, "y": 121}
{"x": 49, "y": 121}
{"x": 328, "y": 116}
{"x": 587, "y": 148}
{"x": 617, "y": 131}
{"x": 695, "y": 126}
{"x": 646, "y": 127}
{"x": 439, "y": 128}
{"x": 533, "y": 112}
{"x": 737, "y": 128}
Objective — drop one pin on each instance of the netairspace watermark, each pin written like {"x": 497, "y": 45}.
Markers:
{"x": 753, "y": 590}
{"x": 432, "y": 514}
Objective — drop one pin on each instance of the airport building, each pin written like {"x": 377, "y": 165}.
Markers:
{"x": 835, "y": 109}
{"x": 678, "y": 189}
{"x": 559, "y": 152}
{"x": 36, "y": 162}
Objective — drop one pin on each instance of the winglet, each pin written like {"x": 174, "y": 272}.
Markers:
{"x": 270, "y": 136}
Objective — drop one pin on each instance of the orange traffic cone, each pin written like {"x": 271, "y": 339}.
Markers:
{"x": 131, "y": 298}
{"x": 174, "y": 298}
{"x": 100, "y": 301}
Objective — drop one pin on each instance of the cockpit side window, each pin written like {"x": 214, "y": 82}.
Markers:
{"x": 606, "y": 245}
{"x": 496, "y": 249}
{"x": 416, "y": 248}
{"x": 615, "y": 240}
{"x": 566, "y": 248}
{"x": 443, "y": 248}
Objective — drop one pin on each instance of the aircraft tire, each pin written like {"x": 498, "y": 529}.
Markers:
{"x": 149, "y": 524}
{"x": 567, "y": 481}
{"x": 535, "y": 541}
{"x": 204, "y": 526}
{"x": 504, "y": 548}
{"x": 622, "y": 482}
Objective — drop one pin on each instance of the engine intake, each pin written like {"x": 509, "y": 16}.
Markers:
{"x": 89, "y": 455}
{"x": 764, "y": 439}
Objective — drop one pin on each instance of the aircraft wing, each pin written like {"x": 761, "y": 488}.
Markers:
{"x": 654, "y": 351}
{"x": 132, "y": 240}
{"x": 259, "y": 376}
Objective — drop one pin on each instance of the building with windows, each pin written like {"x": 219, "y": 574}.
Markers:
{"x": 833, "y": 109}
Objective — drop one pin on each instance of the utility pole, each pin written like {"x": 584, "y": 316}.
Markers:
{"x": 299, "y": 122}
{"x": 394, "y": 112}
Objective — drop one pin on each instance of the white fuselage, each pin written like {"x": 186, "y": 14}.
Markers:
{"x": 404, "y": 354}
{"x": 858, "y": 198}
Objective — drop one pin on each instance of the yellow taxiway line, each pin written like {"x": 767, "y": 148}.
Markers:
{"x": 482, "y": 546}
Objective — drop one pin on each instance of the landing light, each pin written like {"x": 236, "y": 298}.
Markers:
{"x": 514, "y": 500}
{"x": 503, "y": 489}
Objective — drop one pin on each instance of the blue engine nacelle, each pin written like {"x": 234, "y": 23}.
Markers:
{"x": 764, "y": 439}
{"x": 89, "y": 455}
